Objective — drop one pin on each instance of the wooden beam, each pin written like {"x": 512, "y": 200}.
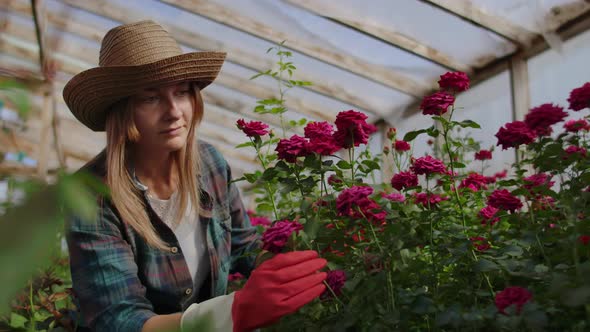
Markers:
{"x": 237, "y": 55}
{"x": 386, "y": 34}
{"x": 519, "y": 87}
{"x": 568, "y": 30}
{"x": 497, "y": 24}
{"x": 232, "y": 18}
{"x": 72, "y": 25}
{"x": 27, "y": 51}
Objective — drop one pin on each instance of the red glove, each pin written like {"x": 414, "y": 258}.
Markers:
{"x": 278, "y": 287}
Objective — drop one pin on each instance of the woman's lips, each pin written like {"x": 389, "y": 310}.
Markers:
{"x": 173, "y": 131}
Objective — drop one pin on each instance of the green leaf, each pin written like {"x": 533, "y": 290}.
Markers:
{"x": 17, "y": 321}
{"x": 410, "y": 136}
{"x": 484, "y": 265}
{"x": 244, "y": 145}
{"x": 469, "y": 124}
{"x": 512, "y": 250}
{"x": 343, "y": 164}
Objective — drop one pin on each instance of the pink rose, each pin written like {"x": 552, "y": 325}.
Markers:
{"x": 291, "y": 148}
{"x": 318, "y": 130}
{"x": 514, "y": 134}
{"x": 428, "y": 165}
{"x": 352, "y": 129}
{"x": 404, "y": 180}
{"x": 576, "y": 125}
{"x": 336, "y": 280}
{"x": 276, "y": 236}
{"x": 512, "y": 296}
{"x": 437, "y": 103}
{"x": 456, "y": 81}
{"x": 501, "y": 175}
{"x": 488, "y": 215}
{"x": 483, "y": 155}
{"x": 503, "y": 199}
{"x": 400, "y": 146}
{"x": 580, "y": 97}
{"x": 252, "y": 128}
{"x": 541, "y": 118}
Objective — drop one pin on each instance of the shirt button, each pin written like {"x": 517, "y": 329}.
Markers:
{"x": 188, "y": 291}
{"x": 174, "y": 250}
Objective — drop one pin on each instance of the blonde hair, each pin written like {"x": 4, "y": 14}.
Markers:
{"x": 126, "y": 197}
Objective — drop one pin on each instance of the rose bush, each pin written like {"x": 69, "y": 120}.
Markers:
{"x": 438, "y": 246}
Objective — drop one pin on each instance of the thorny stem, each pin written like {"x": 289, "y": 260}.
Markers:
{"x": 271, "y": 192}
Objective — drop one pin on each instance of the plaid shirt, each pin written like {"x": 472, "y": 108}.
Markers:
{"x": 120, "y": 282}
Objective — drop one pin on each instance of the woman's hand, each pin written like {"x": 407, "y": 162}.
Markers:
{"x": 279, "y": 286}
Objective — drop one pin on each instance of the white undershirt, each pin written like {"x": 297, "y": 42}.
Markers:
{"x": 190, "y": 234}
{"x": 191, "y": 238}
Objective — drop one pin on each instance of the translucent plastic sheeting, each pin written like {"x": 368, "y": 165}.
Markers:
{"x": 432, "y": 26}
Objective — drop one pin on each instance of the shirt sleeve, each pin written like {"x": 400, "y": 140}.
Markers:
{"x": 216, "y": 314}
{"x": 244, "y": 238}
{"x": 104, "y": 275}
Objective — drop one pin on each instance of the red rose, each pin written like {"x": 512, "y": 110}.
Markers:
{"x": 252, "y": 128}
{"x": 318, "y": 130}
{"x": 457, "y": 81}
{"x": 426, "y": 198}
{"x": 336, "y": 280}
{"x": 394, "y": 197}
{"x": 324, "y": 147}
{"x": 488, "y": 215}
{"x": 437, "y": 103}
{"x": 541, "y": 118}
{"x": 428, "y": 165}
{"x": 575, "y": 149}
{"x": 514, "y": 134}
{"x": 333, "y": 179}
{"x": 404, "y": 180}
{"x": 501, "y": 175}
{"x": 503, "y": 199}
{"x": 512, "y": 296}
{"x": 580, "y": 97}
{"x": 391, "y": 133}
{"x": 474, "y": 181}
{"x": 352, "y": 129}
{"x": 235, "y": 276}
{"x": 354, "y": 198}
{"x": 576, "y": 125}
{"x": 291, "y": 148}
{"x": 276, "y": 236}
{"x": 351, "y": 197}
{"x": 480, "y": 243}
{"x": 537, "y": 180}
{"x": 584, "y": 239}
{"x": 483, "y": 155}
{"x": 401, "y": 146}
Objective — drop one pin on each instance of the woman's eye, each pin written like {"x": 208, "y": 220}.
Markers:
{"x": 183, "y": 93}
{"x": 151, "y": 99}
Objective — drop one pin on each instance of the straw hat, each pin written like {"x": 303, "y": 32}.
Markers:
{"x": 132, "y": 57}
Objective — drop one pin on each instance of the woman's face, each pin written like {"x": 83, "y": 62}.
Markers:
{"x": 163, "y": 116}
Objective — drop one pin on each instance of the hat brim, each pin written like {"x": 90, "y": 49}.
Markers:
{"x": 90, "y": 93}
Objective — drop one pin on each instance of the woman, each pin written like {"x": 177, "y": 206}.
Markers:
{"x": 158, "y": 255}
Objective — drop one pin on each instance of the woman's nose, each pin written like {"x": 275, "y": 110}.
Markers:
{"x": 172, "y": 108}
